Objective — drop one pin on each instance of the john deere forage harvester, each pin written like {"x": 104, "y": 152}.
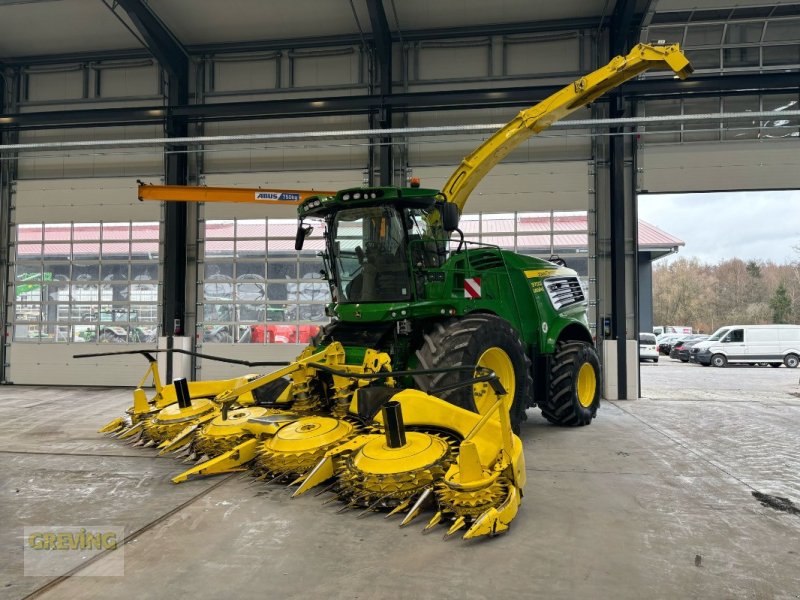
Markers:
{"x": 410, "y": 397}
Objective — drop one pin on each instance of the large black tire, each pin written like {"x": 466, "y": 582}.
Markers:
{"x": 466, "y": 341}
{"x": 791, "y": 361}
{"x": 575, "y": 383}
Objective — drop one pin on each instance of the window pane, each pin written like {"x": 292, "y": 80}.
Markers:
{"x": 281, "y": 270}
{"x": 704, "y": 59}
{"x": 57, "y": 232}
{"x": 116, "y": 231}
{"x": 145, "y": 231}
{"x": 782, "y": 55}
{"x": 744, "y": 128}
{"x": 219, "y": 229}
{"x": 251, "y": 228}
{"x": 251, "y": 247}
{"x": 83, "y": 300}
{"x": 740, "y": 57}
{"x": 704, "y": 35}
{"x": 782, "y": 31}
{"x": 738, "y": 33}
{"x": 670, "y": 35}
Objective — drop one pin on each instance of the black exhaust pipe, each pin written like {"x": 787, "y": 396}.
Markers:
{"x": 393, "y": 422}
{"x": 182, "y": 392}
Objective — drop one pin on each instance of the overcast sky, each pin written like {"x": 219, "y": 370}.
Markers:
{"x": 746, "y": 225}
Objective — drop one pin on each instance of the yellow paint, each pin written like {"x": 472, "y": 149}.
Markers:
{"x": 539, "y": 117}
{"x": 547, "y": 272}
{"x": 498, "y": 361}
{"x": 586, "y": 385}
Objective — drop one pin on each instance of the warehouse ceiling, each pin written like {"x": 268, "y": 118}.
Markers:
{"x": 33, "y": 28}
{"x": 35, "y": 31}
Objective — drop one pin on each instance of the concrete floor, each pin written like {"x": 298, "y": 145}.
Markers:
{"x": 620, "y": 509}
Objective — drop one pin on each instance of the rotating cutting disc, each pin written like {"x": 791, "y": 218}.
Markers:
{"x": 298, "y": 446}
{"x": 170, "y": 420}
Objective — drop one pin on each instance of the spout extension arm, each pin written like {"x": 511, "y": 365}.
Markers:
{"x": 188, "y": 193}
{"x": 539, "y": 117}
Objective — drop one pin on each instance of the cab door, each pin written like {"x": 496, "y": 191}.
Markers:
{"x": 734, "y": 346}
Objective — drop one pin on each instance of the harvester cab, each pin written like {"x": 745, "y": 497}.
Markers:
{"x": 436, "y": 347}
{"x": 376, "y": 238}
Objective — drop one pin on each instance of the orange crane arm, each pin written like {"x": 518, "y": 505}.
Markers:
{"x": 186, "y": 193}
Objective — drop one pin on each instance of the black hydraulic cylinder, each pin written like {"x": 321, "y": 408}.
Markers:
{"x": 393, "y": 422}
{"x": 182, "y": 392}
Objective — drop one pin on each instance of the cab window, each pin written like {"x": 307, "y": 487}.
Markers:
{"x": 735, "y": 335}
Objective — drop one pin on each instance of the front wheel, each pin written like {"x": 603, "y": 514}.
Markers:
{"x": 483, "y": 340}
{"x": 719, "y": 360}
{"x": 791, "y": 360}
{"x": 574, "y": 391}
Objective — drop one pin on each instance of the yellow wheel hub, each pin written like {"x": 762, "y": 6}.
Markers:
{"x": 498, "y": 361}
{"x": 300, "y": 445}
{"x": 586, "y": 385}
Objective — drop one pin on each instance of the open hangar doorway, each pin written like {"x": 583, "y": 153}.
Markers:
{"x": 738, "y": 262}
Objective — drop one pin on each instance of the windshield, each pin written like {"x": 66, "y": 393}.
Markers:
{"x": 369, "y": 255}
{"x": 718, "y": 334}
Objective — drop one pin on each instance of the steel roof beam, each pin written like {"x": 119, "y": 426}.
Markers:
{"x": 161, "y": 42}
{"x": 640, "y": 89}
{"x": 382, "y": 42}
{"x": 622, "y": 20}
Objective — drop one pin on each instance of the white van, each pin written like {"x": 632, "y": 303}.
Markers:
{"x": 773, "y": 344}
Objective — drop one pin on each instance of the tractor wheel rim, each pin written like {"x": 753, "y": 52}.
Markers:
{"x": 587, "y": 385}
{"x": 498, "y": 361}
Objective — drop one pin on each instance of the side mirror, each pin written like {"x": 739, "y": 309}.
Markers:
{"x": 303, "y": 231}
{"x": 450, "y": 216}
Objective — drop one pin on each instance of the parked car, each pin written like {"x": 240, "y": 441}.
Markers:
{"x": 755, "y": 344}
{"x": 647, "y": 347}
{"x": 681, "y": 349}
{"x": 665, "y": 342}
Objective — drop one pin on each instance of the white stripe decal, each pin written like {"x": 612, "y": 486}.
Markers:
{"x": 472, "y": 287}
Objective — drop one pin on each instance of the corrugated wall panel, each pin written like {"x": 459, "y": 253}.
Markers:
{"x": 77, "y": 200}
{"x": 551, "y": 145}
{"x": 90, "y": 200}
{"x": 253, "y": 352}
{"x": 52, "y": 364}
{"x": 522, "y": 186}
{"x": 698, "y": 167}
{"x": 92, "y": 162}
{"x": 287, "y": 155}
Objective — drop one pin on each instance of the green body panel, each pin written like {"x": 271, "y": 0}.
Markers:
{"x": 512, "y": 286}
{"x": 506, "y": 291}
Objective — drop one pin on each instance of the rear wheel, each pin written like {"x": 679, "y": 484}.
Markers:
{"x": 791, "y": 360}
{"x": 574, "y": 394}
{"x": 719, "y": 360}
{"x": 484, "y": 340}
